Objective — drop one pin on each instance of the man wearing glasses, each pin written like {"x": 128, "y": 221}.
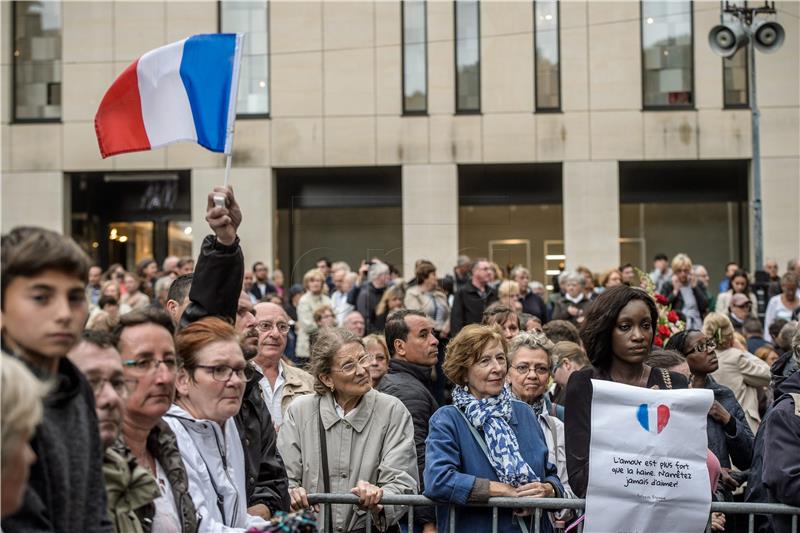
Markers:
{"x": 129, "y": 487}
{"x": 280, "y": 383}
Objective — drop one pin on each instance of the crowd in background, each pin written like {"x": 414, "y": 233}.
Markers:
{"x": 210, "y": 397}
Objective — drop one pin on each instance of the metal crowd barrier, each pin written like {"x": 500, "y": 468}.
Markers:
{"x": 540, "y": 504}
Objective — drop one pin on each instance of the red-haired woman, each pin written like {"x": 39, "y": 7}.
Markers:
{"x": 210, "y": 385}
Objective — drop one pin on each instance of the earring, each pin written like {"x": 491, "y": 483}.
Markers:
{"x": 333, "y": 389}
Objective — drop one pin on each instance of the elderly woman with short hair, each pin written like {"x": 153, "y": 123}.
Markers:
{"x": 487, "y": 443}
{"x": 530, "y": 357}
{"x": 314, "y": 297}
{"x": 573, "y": 305}
{"x": 348, "y": 437}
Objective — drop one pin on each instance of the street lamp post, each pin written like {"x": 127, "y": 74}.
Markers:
{"x": 766, "y": 36}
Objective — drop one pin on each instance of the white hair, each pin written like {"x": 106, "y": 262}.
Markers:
{"x": 22, "y": 394}
{"x": 377, "y": 269}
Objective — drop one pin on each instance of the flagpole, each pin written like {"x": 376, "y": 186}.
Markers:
{"x": 219, "y": 201}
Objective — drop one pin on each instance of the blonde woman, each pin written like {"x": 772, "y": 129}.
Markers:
{"x": 314, "y": 297}
{"x": 742, "y": 372}
{"x": 22, "y": 396}
{"x": 508, "y": 294}
{"x": 392, "y": 299}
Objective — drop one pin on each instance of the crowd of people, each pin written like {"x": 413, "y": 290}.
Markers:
{"x": 210, "y": 397}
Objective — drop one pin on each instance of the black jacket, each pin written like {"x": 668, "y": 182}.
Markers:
{"x": 256, "y": 291}
{"x": 215, "y": 291}
{"x": 468, "y": 307}
{"x": 368, "y": 298}
{"x": 732, "y": 444}
{"x": 533, "y": 305}
{"x": 676, "y": 300}
{"x": 781, "y": 472}
{"x": 266, "y": 480}
{"x": 412, "y": 384}
{"x": 66, "y": 491}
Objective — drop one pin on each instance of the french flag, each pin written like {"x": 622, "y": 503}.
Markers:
{"x": 182, "y": 92}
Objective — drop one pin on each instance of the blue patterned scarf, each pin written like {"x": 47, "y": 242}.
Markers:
{"x": 492, "y": 415}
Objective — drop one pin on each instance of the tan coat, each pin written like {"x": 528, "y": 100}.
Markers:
{"x": 375, "y": 443}
{"x": 421, "y": 300}
{"x": 298, "y": 383}
{"x": 743, "y": 373}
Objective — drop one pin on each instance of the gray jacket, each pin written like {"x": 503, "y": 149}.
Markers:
{"x": 374, "y": 443}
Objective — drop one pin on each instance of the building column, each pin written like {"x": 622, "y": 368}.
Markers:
{"x": 255, "y": 192}
{"x": 780, "y": 192}
{"x": 591, "y": 214}
{"x": 430, "y": 216}
{"x": 35, "y": 199}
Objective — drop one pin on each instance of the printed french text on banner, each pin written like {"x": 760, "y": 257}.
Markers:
{"x": 647, "y": 462}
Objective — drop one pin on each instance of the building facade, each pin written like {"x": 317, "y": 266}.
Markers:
{"x": 553, "y": 134}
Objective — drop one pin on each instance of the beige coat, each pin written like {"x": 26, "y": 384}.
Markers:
{"x": 421, "y": 300}
{"x": 375, "y": 443}
{"x": 298, "y": 383}
{"x": 743, "y": 373}
{"x": 724, "y": 302}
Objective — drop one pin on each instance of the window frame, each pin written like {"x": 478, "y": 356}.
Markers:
{"x": 558, "y": 108}
{"x": 746, "y": 105}
{"x": 455, "y": 62}
{"x": 681, "y": 107}
{"x": 255, "y": 116}
{"x": 412, "y": 112}
{"x": 14, "y": 119}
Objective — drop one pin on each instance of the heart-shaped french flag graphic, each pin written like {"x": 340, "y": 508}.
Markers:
{"x": 653, "y": 419}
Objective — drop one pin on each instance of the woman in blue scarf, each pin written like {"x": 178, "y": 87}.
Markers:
{"x": 486, "y": 444}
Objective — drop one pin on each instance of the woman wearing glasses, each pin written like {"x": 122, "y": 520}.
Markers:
{"x": 486, "y": 444}
{"x": 729, "y": 435}
{"x": 348, "y": 438}
{"x": 210, "y": 385}
{"x": 529, "y": 359}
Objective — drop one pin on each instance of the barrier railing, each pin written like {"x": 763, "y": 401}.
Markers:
{"x": 541, "y": 504}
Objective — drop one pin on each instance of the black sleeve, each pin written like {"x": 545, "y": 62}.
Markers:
{"x": 272, "y": 485}
{"x": 577, "y": 429}
{"x": 740, "y": 440}
{"x": 217, "y": 282}
{"x": 420, "y": 406}
{"x": 560, "y": 311}
{"x": 456, "y": 315}
{"x": 702, "y": 300}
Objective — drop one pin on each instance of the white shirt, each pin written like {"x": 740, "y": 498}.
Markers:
{"x": 340, "y": 306}
{"x": 166, "y": 516}
{"x": 273, "y": 397}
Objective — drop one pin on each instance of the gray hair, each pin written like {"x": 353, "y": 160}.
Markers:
{"x": 519, "y": 269}
{"x": 533, "y": 340}
{"x": 340, "y": 265}
{"x": 22, "y": 395}
{"x": 377, "y": 269}
{"x": 787, "y": 334}
{"x": 796, "y": 344}
{"x": 577, "y": 277}
{"x": 328, "y": 343}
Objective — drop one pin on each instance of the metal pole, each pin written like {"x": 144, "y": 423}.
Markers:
{"x": 756, "y": 163}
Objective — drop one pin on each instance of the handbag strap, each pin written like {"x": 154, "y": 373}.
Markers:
{"x": 667, "y": 378}
{"x": 326, "y": 482}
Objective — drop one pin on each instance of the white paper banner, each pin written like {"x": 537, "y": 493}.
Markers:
{"x": 647, "y": 461}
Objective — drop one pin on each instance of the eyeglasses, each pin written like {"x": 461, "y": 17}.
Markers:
{"x": 747, "y": 305}
{"x": 350, "y": 368}
{"x": 525, "y": 368}
{"x": 117, "y": 383}
{"x": 703, "y": 347}
{"x": 265, "y": 326}
{"x": 147, "y": 365}
{"x": 224, "y": 372}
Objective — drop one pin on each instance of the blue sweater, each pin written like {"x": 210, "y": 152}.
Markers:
{"x": 454, "y": 460}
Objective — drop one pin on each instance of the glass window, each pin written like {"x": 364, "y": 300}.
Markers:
{"x": 179, "y": 238}
{"x": 468, "y": 56}
{"x": 251, "y": 19}
{"x": 667, "y": 54}
{"x": 415, "y": 72}
{"x": 37, "y": 60}
{"x": 548, "y": 84}
{"x": 735, "y": 79}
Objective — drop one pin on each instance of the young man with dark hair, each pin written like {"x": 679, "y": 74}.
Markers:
{"x": 413, "y": 349}
{"x": 473, "y": 298}
{"x": 44, "y": 309}
{"x": 178, "y": 296}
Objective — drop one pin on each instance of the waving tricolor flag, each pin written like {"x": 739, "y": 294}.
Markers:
{"x": 184, "y": 91}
